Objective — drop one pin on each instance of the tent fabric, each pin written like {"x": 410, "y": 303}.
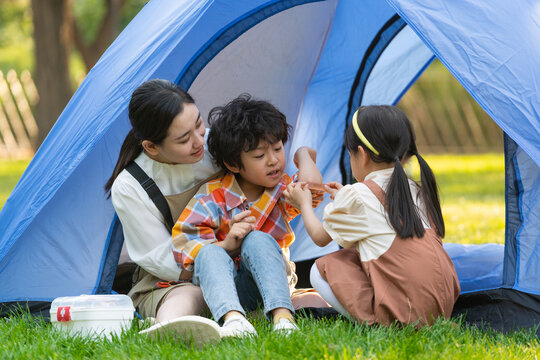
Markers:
{"x": 478, "y": 267}
{"x": 505, "y": 310}
{"x": 316, "y": 60}
{"x": 492, "y": 50}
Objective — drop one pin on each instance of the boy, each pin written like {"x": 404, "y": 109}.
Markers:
{"x": 234, "y": 234}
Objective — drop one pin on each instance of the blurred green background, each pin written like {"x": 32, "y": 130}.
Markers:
{"x": 16, "y": 31}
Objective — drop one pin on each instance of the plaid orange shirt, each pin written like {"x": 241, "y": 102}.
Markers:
{"x": 206, "y": 218}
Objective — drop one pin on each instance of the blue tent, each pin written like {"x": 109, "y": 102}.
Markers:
{"x": 317, "y": 60}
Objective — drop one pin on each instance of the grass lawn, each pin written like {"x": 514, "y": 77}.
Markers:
{"x": 472, "y": 193}
{"x": 472, "y": 196}
{"x": 10, "y": 172}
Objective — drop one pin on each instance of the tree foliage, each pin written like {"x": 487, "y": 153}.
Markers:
{"x": 15, "y": 35}
{"x": 62, "y": 28}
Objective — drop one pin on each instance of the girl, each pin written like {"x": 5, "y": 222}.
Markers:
{"x": 393, "y": 266}
{"x": 167, "y": 145}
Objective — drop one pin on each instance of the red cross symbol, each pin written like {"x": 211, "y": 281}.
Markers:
{"x": 62, "y": 314}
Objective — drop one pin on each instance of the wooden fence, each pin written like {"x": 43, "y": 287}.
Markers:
{"x": 18, "y": 128}
{"x": 446, "y": 119}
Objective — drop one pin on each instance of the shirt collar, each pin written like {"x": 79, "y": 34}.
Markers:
{"x": 384, "y": 172}
{"x": 234, "y": 195}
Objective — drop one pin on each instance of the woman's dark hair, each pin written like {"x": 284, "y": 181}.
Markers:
{"x": 152, "y": 108}
{"x": 240, "y": 125}
{"x": 390, "y": 132}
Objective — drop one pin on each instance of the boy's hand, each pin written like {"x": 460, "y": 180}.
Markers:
{"x": 332, "y": 188}
{"x": 298, "y": 195}
{"x": 239, "y": 227}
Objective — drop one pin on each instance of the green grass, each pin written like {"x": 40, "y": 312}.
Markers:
{"x": 10, "y": 172}
{"x": 472, "y": 196}
{"x": 472, "y": 193}
{"x": 317, "y": 339}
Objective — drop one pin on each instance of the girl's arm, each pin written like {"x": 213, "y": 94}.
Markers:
{"x": 304, "y": 159}
{"x": 299, "y": 196}
{"x": 314, "y": 227}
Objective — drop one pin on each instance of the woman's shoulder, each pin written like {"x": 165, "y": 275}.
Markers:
{"x": 124, "y": 185}
{"x": 125, "y": 182}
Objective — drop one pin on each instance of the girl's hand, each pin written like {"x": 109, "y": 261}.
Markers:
{"x": 239, "y": 227}
{"x": 298, "y": 195}
{"x": 332, "y": 188}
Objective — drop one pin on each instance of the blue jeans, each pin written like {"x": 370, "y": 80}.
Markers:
{"x": 260, "y": 279}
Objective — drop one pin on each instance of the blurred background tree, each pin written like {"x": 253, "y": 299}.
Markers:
{"x": 59, "y": 41}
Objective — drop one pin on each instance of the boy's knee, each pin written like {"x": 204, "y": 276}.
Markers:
{"x": 210, "y": 252}
{"x": 259, "y": 241}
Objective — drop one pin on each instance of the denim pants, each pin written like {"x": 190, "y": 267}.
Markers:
{"x": 260, "y": 279}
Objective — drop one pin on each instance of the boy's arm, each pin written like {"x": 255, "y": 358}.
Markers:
{"x": 202, "y": 223}
{"x": 305, "y": 160}
{"x": 239, "y": 227}
{"x": 194, "y": 228}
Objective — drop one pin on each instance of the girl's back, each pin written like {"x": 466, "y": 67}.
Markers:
{"x": 393, "y": 267}
{"x": 407, "y": 280}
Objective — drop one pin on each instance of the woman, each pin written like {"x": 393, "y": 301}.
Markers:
{"x": 167, "y": 142}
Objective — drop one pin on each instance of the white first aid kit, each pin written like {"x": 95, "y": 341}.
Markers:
{"x": 92, "y": 315}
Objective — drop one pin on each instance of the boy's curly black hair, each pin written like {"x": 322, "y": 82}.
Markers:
{"x": 240, "y": 125}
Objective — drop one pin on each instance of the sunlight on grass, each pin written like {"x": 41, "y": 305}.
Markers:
{"x": 472, "y": 196}
{"x": 23, "y": 338}
{"x": 10, "y": 172}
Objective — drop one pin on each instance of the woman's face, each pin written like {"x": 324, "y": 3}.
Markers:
{"x": 184, "y": 143}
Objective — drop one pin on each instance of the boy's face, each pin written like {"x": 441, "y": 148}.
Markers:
{"x": 262, "y": 166}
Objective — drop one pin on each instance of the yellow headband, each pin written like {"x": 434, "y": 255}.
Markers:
{"x": 360, "y": 135}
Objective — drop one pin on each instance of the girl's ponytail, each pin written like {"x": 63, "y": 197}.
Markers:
{"x": 402, "y": 212}
{"x": 131, "y": 148}
{"x": 430, "y": 195}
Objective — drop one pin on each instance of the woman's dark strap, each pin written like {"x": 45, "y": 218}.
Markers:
{"x": 153, "y": 191}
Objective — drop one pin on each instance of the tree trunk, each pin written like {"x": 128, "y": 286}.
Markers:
{"x": 108, "y": 30}
{"x": 52, "y": 66}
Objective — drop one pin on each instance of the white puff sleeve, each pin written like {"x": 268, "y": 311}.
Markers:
{"x": 345, "y": 219}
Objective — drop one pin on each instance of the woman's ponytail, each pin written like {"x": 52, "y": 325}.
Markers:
{"x": 430, "y": 195}
{"x": 402, "y": 212}
{"x": 131, "y": 148}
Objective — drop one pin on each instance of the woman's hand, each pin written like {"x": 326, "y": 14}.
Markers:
{"x": 298, "y": 195}
{"x": 239, "y": 227}
{"x": 332, "y": 188}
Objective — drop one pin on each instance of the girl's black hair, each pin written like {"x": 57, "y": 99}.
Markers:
{"x": 239, "y": 126}
{"x": 152, "y": 108}
{"x": 390, "y": 132}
